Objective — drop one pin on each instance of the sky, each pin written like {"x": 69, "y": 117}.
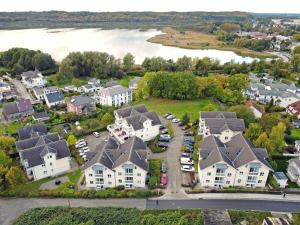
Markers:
{"x": 260, "y": 6}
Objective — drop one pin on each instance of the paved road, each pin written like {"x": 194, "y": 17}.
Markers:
{"x": 20, "y": 89}
{"x": 93, "y": 142}
{"x": 274, "y": 206}
{"x": 12, "y": 208}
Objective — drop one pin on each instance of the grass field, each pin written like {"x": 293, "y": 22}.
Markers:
{"x": 125, "y": 81}
{"x": 11, "y": 128}
{"x": 180, "y": 107}
{"x": 295, "y": 133}
{"x": 199, "y": 40}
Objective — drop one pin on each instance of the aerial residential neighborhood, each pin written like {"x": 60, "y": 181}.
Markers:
{"x": 150, "y": 113}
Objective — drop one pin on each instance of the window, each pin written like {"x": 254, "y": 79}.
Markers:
{"x": 209, "y": 173}
{"x": 262, "y": 174}
{"x": 90, "y": 175}
{"x": 99, "y": 172}
{"x": 120, "y": 181}
{"x": 50, "y": 156}
{"x": 139, "y": 174}
{"x": 45, "y": 171}
{"x": 91, "y": 182}
{"x": 109, "y": 182}
{"x": 129, "y": 179}
{"x": 229, "y": 174}
{"x": 128, "y": 170}
{"x": 227, "y": 182}
{"x": 219, "y": 170}
{"x": 139, "y": 182}
{"x": 251, "y": 179}
{"x": 253, "y": 170}
{"x": 259, "y": 181}
{"x": 109, "y": 175}
{"x": 43, "y": 165}
{"x": 226, "y": 138}
{"x": 239, "y": 180}
{"x": 51, "y": 164}
{"x": 207, "y": 181}
{"x": 119, "y": 173}
{"x": 241, "y": 172}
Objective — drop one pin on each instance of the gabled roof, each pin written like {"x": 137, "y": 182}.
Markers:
{"x": 114, "y": 90}
{"x": 32, "y": 131}
{"x": 37, "y": 141}
{"x": 217, "y": 125}
{"x": 23, "y": 105}
{"x": 131, "y": 110}
{"x": 40, "y": 115}
{"x": 114, "y": 154}
{"x": 34, "y": 156}
{"x": 31, "y": 74}
{"x": 236, "y": 152}
{"x": 57, "y": 96}
{"x": 217, "y": 114}
{"x": 137, "y": 121}
{"x": 80, "y": 100}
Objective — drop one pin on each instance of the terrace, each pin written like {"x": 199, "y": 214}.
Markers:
{"x": 117, "y": 131}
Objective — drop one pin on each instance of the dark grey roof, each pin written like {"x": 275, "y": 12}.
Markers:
{"x": 30, "y": 74}
{"x": 32, "y": 131}
{"x": 217, "y": 114}
{"x": 40, "y": 115}
{"x": 131, "y": 110}
{"x": 110, "y": 84}
{"x": 217, "y": 125}
{"x": 34, "y": 156}
{"x": 57, "y": 96}
{"x": 114, "y": 154}
{"x": 80, "y": 100}
{"x": 37, "y": 141}
{"x": 236, "y": 152}
{"x": 23, "y": 105}
{"x": 137, "y": 121}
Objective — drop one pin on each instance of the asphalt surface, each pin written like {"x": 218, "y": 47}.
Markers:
{"x": 260, "y": 205}
{"x": 20, "y": 89}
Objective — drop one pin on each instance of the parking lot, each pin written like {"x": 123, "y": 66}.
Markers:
{"x": 172, "y": 157}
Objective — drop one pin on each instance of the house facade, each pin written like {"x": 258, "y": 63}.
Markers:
{"x": 134, "y": 121}
{"x": 81, "y": 105}
{"x": 42, "y": 154}
{"x": 40, "y": 92}
{"x": 113, "y": 96}
{"x": 223, "y": 125}
{"x": 293, "y": 170}
{"x": 294, "y": 109}
{"x": 118, "y": 164}
{"x": 33, "y": 79}
{"x": 54, "y": 98}
{"x": 17, "y": 110}
{"x": 233, "y": 163}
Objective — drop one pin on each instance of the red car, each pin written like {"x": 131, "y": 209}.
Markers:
{"x": 163, "y": 179}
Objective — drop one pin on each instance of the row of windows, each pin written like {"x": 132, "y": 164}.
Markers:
{"x": 221, "y": 171}
{"x": 129, "y": 171}
{"x": 219, "y": 180}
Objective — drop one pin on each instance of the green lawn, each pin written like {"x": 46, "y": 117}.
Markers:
{"x": 252, "y": 217}
{"x": 125, "y": 81}
{"x": 179, "y": 107}
{"x": 154, "y": 171}
{"x": 295, "y": 133}
{"x": 54, "y": 80}
{"x": 11, "y": 128}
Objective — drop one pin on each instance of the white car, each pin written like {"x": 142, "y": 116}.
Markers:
{"x": 187, "y": 168}
{"x": 165, "y": 136}
{"x": 175, "y": 120}
{"x": 79, "y": 141}
{"x": 96, "y": 134}
{"x": 81, "y": 153}
{"x": 186, "y": 161}
{"x": 84, "y": 148}
{"x": 170, "y": 117}
{"x": 80, "y": 145}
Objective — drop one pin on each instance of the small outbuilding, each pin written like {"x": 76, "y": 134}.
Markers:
{"x": 281, "y": 179}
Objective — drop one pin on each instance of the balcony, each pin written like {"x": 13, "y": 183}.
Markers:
{"x": 117, "y": 131}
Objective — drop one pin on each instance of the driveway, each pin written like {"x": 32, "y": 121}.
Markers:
{"x": 20, "y": 89}
{"x": 93, "y": 142}
{"x": 171, "y": 156}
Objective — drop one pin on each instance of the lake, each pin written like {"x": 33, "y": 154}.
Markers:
{"x": 118, "y": 42}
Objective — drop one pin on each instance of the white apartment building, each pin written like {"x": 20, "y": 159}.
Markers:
{"x": 135, "y": 121}
{"x": 113, "y": 96}
{"x": 33, "y": 79}
{"x": 223, "y": 125}
{"x": 42, "y": 155}
{"x": 118, "y": 164}
{"x": 234, "y": 163}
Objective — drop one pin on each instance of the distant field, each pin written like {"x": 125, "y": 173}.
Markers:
{"x": 199, "y": 40}
{"x": 179, "y": 107}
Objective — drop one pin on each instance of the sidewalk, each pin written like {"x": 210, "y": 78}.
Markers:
{"x": 245, "y": 196}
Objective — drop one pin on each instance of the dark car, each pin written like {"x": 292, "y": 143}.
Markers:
{"x": 188, "y": 134}
{"x": 161, "y": 127}
{"x": 185, "y": 154}
{"x": 164, "y": 139}
{"x": 180, "y": 124}
{"x": 57, "y": 182}
{"x": 185, "y": 128}
{"x": 162, "y": 144}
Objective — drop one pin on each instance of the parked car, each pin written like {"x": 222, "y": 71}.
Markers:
{"x": 170, "y": 117}
{"x": 188, "y": 134}
{"x": 187, "y": 155}
{"x": 187, "y": 168}
{"x": 175, "y": 120}
{"x": 96, "y": 134}
{"x": 80, "y": 140}
{"x": 164, "y": 167}
{"x": 84, "y": 148}
{"x": 186, "y": 161}
{"x": 189, "y": 149}
{"x": 162, "y": 139}
{"x": 163, "y": 179}
{"x": 180, "y": 124}
{"x": 80, "y": 145}
{"x": 162, "y": 144}
{"x": 166, "y": 115}
{"x": 57, "y": 182}
{"x": 185, "y": 127}
{"x": 162, "y": 127}
{"x": 164, "y": 131}
{"x": 165, "y": 136}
